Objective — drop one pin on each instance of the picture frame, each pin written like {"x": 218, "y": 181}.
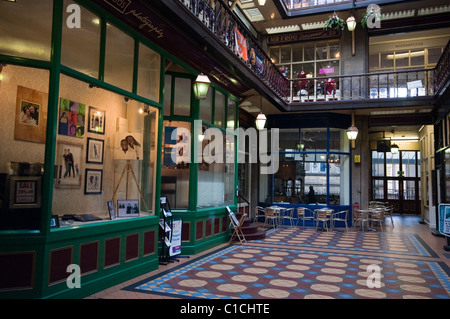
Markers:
{"x": 25, "y": 192}
{"x": 68, "y": 164}
{"x": 93, "y": 181}
{"x": 127, "y": 208}
{"x": 94, "y": 150}
{"x": 111, "y": 210}
{"x": 96, "y": 120}
{"x": 31, "y": 113}
{"x": 54, "y": 221}
{"x": 71, "y": 119}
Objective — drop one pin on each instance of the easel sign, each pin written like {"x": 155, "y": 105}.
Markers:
{"x": 233, "y": 216}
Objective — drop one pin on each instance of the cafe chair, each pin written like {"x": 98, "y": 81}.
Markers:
{"x": 341, "y": 216}
{"x": 322, "y": 216}
{"x": 270, "y": 215}
{"x": 258, "y": 212}
{"x": 389, "y": 209}
{"x": 304, "y": 214}
{"x": 377, "y": 217}
{"x": 289, "y": 216}
{"x": 360, "y": 216}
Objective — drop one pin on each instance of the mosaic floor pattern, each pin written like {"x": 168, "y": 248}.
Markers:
{"x": 255, "y": 271}
{"x": 378, "y": 242}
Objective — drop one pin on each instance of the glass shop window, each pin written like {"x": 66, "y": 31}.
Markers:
{"x": 216, "y": 174}
{"x": 206, "y": 107}
{"x": 119, "y": 58}
{"x": 175, "y": 167}
{"x": 81, "y": 46}
{"x": 149, "y": 73}
{"x": 24, "y": 104}
{"x": 105, "y": 155}
{"x": 182, "y": 96}
{"x": 26, "y": 28}
{"x": 219, "y": 109}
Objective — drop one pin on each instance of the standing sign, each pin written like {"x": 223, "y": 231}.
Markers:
{"x": 444, "y": 219}
{"x": 175, "y": 247}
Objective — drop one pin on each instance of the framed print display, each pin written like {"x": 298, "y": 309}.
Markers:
{"x": 25, "y": 192}
{"x": 71, "y": 118}
{"x": 68, "y": 164}
{"x": 111, "y": 210}
{"x": 128, "y": 146}
{"x": 93, "y": 181}
{"x": 94, "y": 153}
{"x": 31, "y": 115}
{"x": 128, "y": 208}
{"x": 96, "y": 119}
{"x": 54, "y": 221}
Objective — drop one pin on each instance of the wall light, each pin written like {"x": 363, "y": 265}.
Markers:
{"x": 261, "y": 118}
{"x": 351, "y": 25}
{"x": 201, "y": 86}
{"x": 261, "y": 2}
{"x": 394, "y": 148}
{"x": 352, "y": 132}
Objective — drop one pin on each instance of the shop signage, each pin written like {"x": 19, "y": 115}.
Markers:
{"x": 302, "y": 36}
{"x": 144, "y": 22}
{"x": 444, "y": 219}
{"x": 175, "y": 247}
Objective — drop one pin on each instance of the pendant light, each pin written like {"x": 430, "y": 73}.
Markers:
{"x": 201, "y": 86}
{"x": 260, "y": 119}
{"x": 394, "y": 148}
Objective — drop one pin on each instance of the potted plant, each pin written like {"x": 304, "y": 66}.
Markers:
{"x": 334, "y": 22}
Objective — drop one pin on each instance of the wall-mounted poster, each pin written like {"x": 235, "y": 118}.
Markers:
{"x": 128, "y": 146}
{"x": 68, "y": 162}
{"x": 94, "y": 153}
{"x": 71, "y": 118}
{"x": 96, "y": 120}
{"x": 31, "y": 115}
{"x": 93, "y": 181}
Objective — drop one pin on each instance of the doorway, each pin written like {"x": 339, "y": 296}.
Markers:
{"x": 396, "y": 179}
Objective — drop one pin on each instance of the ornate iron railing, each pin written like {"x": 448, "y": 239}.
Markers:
{"x": 217, "y": 17}
{"x": 397, "y": 84}
{"x": 442, "y": 69}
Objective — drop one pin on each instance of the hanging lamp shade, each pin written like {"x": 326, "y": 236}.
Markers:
{"x": 201, "y": 86}
{"x": 394, "y": 149}
{"x": 260, "y": 121}
{"x": 351, "y": 23}
{"x": 352, "y": 133}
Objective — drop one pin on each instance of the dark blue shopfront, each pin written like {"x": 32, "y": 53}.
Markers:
{"x": 314, "y": 156}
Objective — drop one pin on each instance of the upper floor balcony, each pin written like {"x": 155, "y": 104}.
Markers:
{"x": 394, "y": 88}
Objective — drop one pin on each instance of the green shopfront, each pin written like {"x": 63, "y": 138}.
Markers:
{"x": 89, "y": 106}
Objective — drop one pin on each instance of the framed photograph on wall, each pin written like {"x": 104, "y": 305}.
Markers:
{"x": 111, "y": 210}
{"x": 96, "y": 120}
{"x": 68, "y": 164}
{"x": 25, "y": 192}
{"x": 71, "y": 118}
{"x": 31, "y": 114}
{"x": 128, "y": 208}
{"x": 94, "y": 152}
{"x": 93, "y": 181}
{"x": 54, "y": 221}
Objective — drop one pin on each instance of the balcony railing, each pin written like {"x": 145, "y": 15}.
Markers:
{"x": 382, "y": 85}
{"x": 217, "y": 17}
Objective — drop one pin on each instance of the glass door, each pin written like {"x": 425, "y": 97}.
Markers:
{"x": 396, "y": 179}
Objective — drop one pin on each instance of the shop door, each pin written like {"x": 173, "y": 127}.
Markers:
{"x": 396, "y": 179}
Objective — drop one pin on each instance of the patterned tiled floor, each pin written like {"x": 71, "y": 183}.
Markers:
{"x": 248, "y": 272}
{"x": 297, "y": 263}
